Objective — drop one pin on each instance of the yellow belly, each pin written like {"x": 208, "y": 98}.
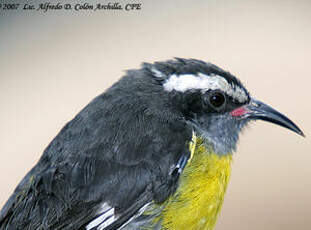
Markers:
{"x": 199, "y": 197}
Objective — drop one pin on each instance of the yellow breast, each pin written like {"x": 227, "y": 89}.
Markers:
{"x": 198, "y": 199}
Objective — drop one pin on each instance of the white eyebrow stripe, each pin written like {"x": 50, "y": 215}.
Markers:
{"x": 204, "y": 82}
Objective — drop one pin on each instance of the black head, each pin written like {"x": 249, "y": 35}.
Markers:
{"x": 212, "y": 101}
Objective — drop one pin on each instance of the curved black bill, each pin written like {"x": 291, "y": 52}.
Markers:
{"x": 259, "y": 110}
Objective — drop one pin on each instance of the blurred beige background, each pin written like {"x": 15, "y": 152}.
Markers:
{"x": 52, "y": 64}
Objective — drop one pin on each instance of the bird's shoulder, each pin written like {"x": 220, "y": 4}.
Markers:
{"x": 104, "y": 156}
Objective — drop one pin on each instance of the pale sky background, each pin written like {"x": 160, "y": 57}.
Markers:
{"x": 52, "y": 64}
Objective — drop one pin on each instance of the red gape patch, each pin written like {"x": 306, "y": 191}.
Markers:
{"x": 239, "y": 111}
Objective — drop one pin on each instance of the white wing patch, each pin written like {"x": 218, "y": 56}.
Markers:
{"x": 105, "y": 218}
{"x": 204, "y": 82}
{"x": 139, "y": 213}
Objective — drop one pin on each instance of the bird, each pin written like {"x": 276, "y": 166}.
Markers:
{"x": 154, "y": 151}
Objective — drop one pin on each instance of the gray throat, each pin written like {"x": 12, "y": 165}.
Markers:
{"x": 221, "y": 138}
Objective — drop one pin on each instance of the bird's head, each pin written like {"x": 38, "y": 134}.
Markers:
{"x": 214, "y": 102}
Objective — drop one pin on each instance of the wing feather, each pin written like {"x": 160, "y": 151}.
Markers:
{"x": 105, "y": 155}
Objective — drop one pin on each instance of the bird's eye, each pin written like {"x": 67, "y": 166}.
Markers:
{"x": 217, "y": 99}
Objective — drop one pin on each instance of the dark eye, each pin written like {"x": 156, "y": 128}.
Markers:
{"x": 217, "y": 99}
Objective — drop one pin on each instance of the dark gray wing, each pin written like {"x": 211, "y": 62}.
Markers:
{"x": 112, "y": 153}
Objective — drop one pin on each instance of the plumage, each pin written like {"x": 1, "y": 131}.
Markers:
{"x": 140, "y": 156}
{"x": 198, "y": 200}
{"x": 199, "y": 197}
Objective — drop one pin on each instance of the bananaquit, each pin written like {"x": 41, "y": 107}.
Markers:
{"x": 152, "y": 152}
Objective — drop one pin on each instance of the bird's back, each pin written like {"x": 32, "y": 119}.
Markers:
{"x": 105, "y": 156}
